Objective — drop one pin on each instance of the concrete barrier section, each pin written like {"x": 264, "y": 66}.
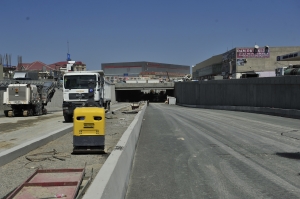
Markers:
{"x": 270, "y": 95}
{"x": 113, "y": 178}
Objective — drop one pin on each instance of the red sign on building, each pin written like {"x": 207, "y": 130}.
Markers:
{"x": 249, "y": 53}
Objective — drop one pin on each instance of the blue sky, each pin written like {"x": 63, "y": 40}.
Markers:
{"x": 176, "y": 32}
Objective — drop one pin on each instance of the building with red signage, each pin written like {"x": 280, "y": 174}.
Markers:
{"x": 135, "y": 69}
{"x": 244, "y": 60}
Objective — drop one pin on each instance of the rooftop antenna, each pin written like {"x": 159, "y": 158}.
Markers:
{"x": 9, "y": 60}
{"x": 19, "y": 61}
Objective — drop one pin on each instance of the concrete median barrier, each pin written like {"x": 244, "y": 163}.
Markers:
{"x": 113, "y": 178}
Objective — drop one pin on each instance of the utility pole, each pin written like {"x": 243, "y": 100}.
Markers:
{"x": 68, "y": 54}
{"x": 1, "y": 68}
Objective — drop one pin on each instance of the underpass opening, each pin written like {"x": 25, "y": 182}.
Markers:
{"x": 143, "y": 95}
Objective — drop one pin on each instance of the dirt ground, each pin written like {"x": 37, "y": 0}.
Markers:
{"x": 58, "y": 154}
{"x": 11, "y": 126}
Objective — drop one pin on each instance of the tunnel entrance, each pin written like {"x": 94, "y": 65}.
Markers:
{"x": 143, "y": 95}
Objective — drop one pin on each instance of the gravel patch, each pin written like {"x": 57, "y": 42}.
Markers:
{"x": 16, "y": 172}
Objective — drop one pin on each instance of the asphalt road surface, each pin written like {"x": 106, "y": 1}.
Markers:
{"x": 201, "y": 153}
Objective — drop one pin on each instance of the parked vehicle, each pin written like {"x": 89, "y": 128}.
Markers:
{"x": 28, "y": 99}
{"x": 76, "y": 91}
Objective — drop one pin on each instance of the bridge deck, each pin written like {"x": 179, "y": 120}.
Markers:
{"x": 144, "y": 86}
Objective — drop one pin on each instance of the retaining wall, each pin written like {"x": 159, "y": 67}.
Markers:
{"x": 271, "y": 92}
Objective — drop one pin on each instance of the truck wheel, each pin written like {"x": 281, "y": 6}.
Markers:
{"x": 25, "y": 113}
{"x": 68, "y": 118}
{"x": 30, "y": 112}
{"x": 45, "y": 111}
{"x": 11, "y": 114}
{"x": 6, "y": 113}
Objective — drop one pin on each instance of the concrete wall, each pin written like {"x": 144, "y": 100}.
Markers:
{"x": 208, "y": 62}
{"x": 275, "y": 92}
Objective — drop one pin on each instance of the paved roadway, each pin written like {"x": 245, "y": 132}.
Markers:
{"x": 200, "y": 153}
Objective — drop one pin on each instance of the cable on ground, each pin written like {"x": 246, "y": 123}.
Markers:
{"x": 50, "y": 155}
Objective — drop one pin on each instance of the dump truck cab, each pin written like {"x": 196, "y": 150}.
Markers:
{"x": 76, "y": 91}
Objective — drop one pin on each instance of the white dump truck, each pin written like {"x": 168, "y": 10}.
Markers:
{"x": 76, "y": 91}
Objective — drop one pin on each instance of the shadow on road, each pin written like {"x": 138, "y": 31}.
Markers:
{"x": 295, "y": 155}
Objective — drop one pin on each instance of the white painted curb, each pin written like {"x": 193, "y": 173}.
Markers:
{"x": 22, "y": 149}
{"x": 112, "y": 180}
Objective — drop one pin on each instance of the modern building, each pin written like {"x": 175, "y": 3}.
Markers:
{"x": 243, "y": 60}
{"x": 135, "y": 69}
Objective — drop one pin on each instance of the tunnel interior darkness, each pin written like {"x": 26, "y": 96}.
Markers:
{"x": 139, "y": 95}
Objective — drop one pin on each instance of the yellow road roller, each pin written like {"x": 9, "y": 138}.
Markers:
{"x": 89, "y": 130}
{"x": 89, "y": 124}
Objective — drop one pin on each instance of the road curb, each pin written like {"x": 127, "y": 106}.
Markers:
{"x": 113, "y": 178}
{"x": 24, "y": 148}
{"x": 290, "y": 113}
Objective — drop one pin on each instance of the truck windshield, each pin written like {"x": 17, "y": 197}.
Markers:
{"x": 78, "y": 81}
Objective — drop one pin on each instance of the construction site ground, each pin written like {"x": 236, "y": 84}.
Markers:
{"x": 58, "y": 153}
{"x": 17, "y": 130}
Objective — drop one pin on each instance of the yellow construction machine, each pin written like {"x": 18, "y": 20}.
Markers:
{"x": 89, "y": 126}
